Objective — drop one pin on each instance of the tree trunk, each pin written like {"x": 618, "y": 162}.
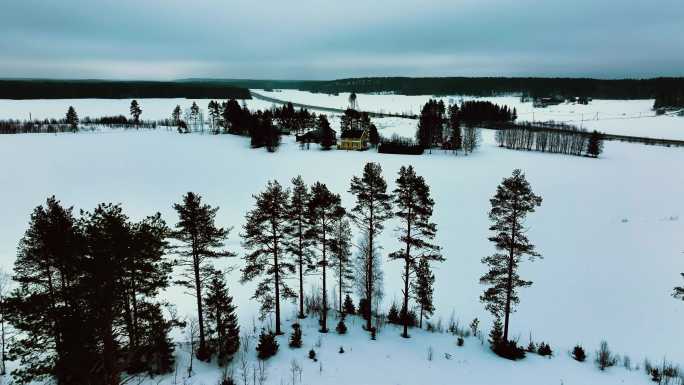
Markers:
{"x": 200, "y": 313}
{"x": 407, "y": 259}
{"x": 277, "y": 281}
{"x": 509, "y": 283}
{"x": 324, "y": 315}
{"x": 301, "y": 272}
{"x": 370, "y": 268}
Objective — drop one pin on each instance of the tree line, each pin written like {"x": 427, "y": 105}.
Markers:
{"x": 546, "y": 137}
{"x": 483, "y": 86}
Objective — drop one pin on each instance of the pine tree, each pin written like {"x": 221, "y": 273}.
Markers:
{"x": 423, "y": 289}
{"x": 341, "y": 257}
{"x": 201, "y": 241}
{"x": 373, "y": 207}
{"x": 323, "y": 212}
{"x": 595, "y": 144}
{"x": 136, "y": 111}
{"x": 265, "y": 238}
{"x": 72, "y": 118}
{"x": 496, "y": 335}
{"x": 512, "y": 202}
{"x": 145, "y": 272}
{"x": 54, "y": 339}
{"x": 214, "y": 109}
{"x": 414, "y": 210}
{"x": 297, "y": 226}
{"x": 222, "y": 323}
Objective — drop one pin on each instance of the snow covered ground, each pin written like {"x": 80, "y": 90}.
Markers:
{"x": 610, "y": 231}
{"x": 622, "y": 117}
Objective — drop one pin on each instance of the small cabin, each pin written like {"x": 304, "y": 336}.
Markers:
{"x": 353, "y": 140}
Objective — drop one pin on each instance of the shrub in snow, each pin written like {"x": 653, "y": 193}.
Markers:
{"x": 373, "y": 331}
{"x": 496, "y": 334}
{"x": 341, "y": 327}
{"x": 459, "y": 341}
{"x": 312, "y": 354}
{"x": 341, "y": 350}
{"x": 544, "y": 349}
{"x": 531, "y": 347}
{"x": 268, "y": 346}
{"x": 655, "y": 375}
{"x": 410, "y": 317}
{"x": 604, "y": 358}
{"x": 578, "y": 353}
{"x": 509, "y": 350}
{"x": 348, "y": 306}
{"x": 296, "y": 336}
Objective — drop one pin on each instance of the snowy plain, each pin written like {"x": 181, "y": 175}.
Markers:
{"x": 609, "y": 230}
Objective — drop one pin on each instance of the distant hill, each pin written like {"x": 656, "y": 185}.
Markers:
{"x": 79, "y": 89}
{"x": 476, "y": 86}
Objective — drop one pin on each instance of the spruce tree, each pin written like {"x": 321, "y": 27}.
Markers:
{"x": 264, "y": 236}
{"x": 595, "y": 144}
{"x": 201, "y": 241}
{"x": 72, "y": 118}
{"x": 341, "y": 258}
{"x": 512, "y": 202}
{"x": 348, "y": 307}
{"x": 222, "y": 323}
{"x": 325, "y": 133}
{"x": 176, "y": 116}
{"x": 455, "y": 128}
{"x": 136, "y": 111}
{"x": 268, "y": 346}
{"x": 422, "y": 290}
{"x": 297, "y": 226}
{"x": 323, "y": 212}
{"x": 414, "y": 210}
{"x": 373, "y": 207}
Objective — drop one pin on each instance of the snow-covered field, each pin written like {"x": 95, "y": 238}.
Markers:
{"x": 611, "y": 232}
{"x": 622, "y": 117}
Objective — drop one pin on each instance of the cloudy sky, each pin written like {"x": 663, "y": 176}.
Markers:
{"x": 326, "y": 39}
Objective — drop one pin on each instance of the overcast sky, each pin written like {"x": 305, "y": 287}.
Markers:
{"x": 327, "y": 39}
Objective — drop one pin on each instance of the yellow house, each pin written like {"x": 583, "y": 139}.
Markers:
{"x": 353, "y": 140}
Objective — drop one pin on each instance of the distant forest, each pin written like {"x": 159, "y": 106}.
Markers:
{"x": 78, "y": 89}
{"x": 489, "y": 86}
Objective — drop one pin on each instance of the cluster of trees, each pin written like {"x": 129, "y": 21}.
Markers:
{"x": 439, "y": 126}
{"x": 305, "y": 230}
{"x": 291, "y": 120}
{"x": 673, "y": 99}
{"x": 477, "y": 112}
{"x": 86, "y": 307}
{"x": 399, "y": 145}
{"x": 558, "y": 139}
{"x": 356, "y": 121}
{"x": 12, "y": 126}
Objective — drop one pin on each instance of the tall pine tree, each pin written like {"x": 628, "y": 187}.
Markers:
{"x": 414, "y": 210}
{"x": 136, "y": 111}
{"x": 201, "y": 240}
{"x": 512, "y": 202}
{"x": 341, "y": 258}
{"x": 416, "y": 232}
{"x": 373, "y": 207}
{"x": 324, "y": 210}
{"x": 265, "y": 237}
{"x": 297, "y": 226}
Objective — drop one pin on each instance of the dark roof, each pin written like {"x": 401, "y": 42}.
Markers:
{"x": 352, "y": 134}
